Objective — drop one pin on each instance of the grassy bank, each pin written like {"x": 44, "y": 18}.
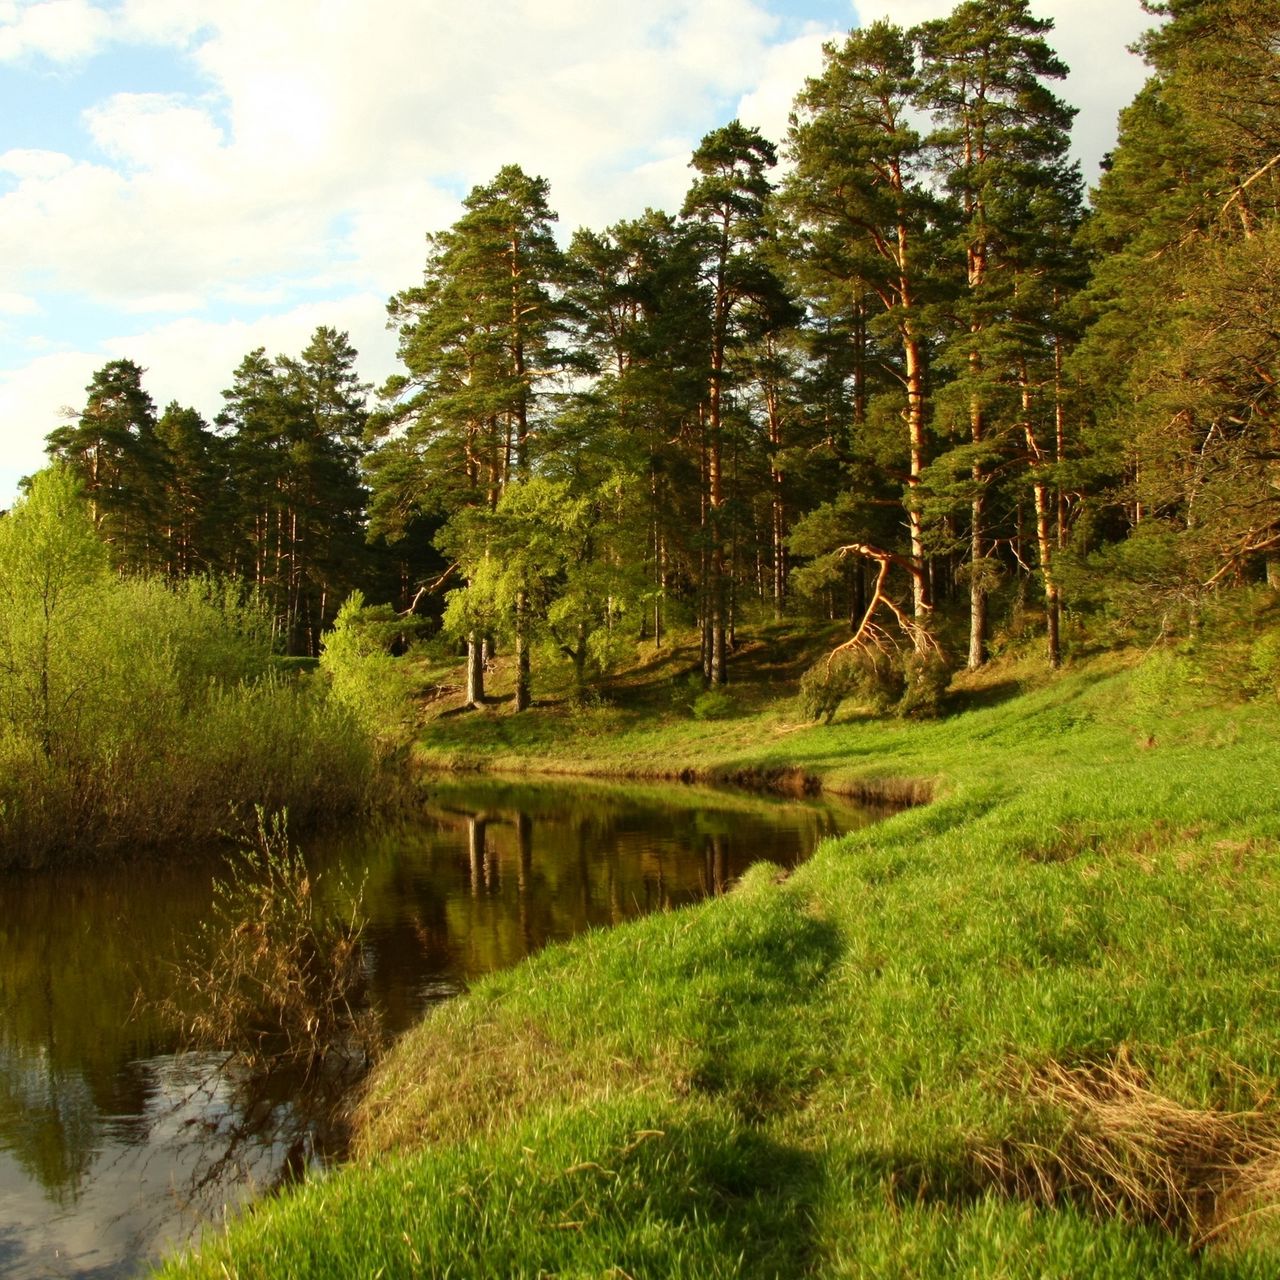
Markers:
{"x": 1029, "y": 1029}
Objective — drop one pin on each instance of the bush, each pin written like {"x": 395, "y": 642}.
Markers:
{"x": 714, "y": 703}
{"x": 1162, "y": 682}
{"x": 133, "y": 712}
{"x": 927, "y": 677}
{"x": 364, "y": 677}
{"x": 875, "y": 680}
{"x": 1264, "y": 665}
{"x": 693, "y": 696}
{"x": 910, "y": 684}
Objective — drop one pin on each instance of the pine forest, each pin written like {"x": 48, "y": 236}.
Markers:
{"x": 897, "y": 367}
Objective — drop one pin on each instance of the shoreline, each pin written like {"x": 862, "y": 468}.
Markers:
{"x": 867, "y": 1067}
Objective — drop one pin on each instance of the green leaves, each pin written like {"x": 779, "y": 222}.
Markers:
{"x": 53, "y": 569}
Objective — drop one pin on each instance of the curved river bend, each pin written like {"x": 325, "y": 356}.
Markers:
{"x": 113, "y": 1146}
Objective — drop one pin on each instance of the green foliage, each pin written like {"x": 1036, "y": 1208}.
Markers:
{"x": 873, "y": 679}
{"x": 363, "y": 676}
{"x": 715, "y": 703}
{"x": 916, "y": 346}
{"x": 910, "y": 684}
{"x": 1162, "y": 682}
{"x": 927, "y": 677}
{"x": 1148, "y": 585}
{"x": 133, "y": 711}
{"x": 692, "y": 696}
{"x": 1264, "y": 664}
{"x": 53, "y": 577}
{"x": 274, "y": 500}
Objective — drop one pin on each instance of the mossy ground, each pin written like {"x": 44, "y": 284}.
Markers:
{"x": 835, "y": 1074}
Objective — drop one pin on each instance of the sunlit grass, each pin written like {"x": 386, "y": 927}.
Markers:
{"x": 816, "y": 1075}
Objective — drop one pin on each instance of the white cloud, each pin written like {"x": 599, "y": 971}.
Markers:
{"x": 307, "y": 110}
{"x": 163, "y": 21}
{"x": 31, "y": 402}
{"x": 37, "y": 165}
{"x": 318, "y": 140}
{"x": 178, "y": 303}
{"x": 191, "y": 360}
{"x": 1092, "y": 37}
{"x": 18, "y": 304}
{"x": 786, "y": 67}
{"x": 158, "y": 133}
{"x": 60, "y": 30}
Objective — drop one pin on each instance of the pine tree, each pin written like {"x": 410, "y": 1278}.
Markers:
{"x": 478, "y": 341}
{"x": 114, "y": 452}
{"x": 643, "y": 327}
{"x": 726, "y": 205}
{"x": 862, "y": 216}
{"x": 1178, "y": 363}
{"x": 195, "y": 487}
{"x": 1000, "y": 135}
{"x": 255, "y": 420}
{"x": 327, "y": 549}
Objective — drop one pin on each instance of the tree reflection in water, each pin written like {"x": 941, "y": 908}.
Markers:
{"x": 112, "y": 1142}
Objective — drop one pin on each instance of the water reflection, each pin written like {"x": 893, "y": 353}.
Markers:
{"x": 111, "y": 1146}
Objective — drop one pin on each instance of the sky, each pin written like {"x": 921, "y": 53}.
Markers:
{"x": 183, "y": 181}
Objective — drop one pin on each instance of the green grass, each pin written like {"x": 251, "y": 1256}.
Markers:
{"x": 812, "y": 1077}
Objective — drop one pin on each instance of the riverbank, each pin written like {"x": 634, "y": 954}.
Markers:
{"x": 1028, "y": 1029}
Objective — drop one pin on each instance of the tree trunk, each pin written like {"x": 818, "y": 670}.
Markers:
{"x": 523, "y": 696}
{"x": 778, "y": 515}
{"x": 475, "y": 670}
{"x": 977, "y": 590}
{"x": 1052, "y": 605}
{"x": 977, "y": 514}
{"x": 921, "y": 600}
{"x": 716, "y": 672}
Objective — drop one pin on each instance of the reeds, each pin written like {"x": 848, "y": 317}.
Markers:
{"x": 275, "y": 977}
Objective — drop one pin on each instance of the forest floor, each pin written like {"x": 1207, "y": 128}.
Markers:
{"x": 1030, "y": 1028}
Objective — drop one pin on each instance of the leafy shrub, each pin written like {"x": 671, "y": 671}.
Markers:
{"x": 873, "y": 679}
{"x": 1264, "y": 664}
{"x": 363, "y": 676}
{"x": 1161, "y": 682}
{"x": 715, "y": 703}
{"x": 927, "y": 676}
{"x": 685, "y": 691}
{"x": 1149, "y": 584}
{"x": 694, "y": 697}
{"x": 593, "y": 714}
{"x": 133, "y": 711}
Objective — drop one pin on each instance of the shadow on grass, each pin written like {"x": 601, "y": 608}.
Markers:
{"x": 681, "y": 1194}
{"x": 991, "y": 695}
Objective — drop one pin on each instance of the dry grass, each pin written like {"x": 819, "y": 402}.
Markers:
{"x": 478, "y": 1077}
{"x": 274, "y": 979}
{"x": 1122, "y": 1149}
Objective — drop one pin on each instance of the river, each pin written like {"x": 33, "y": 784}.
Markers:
{"x": 114, "y": 1145}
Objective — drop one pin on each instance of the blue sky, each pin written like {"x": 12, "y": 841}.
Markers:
{"x": 182, "y": 181}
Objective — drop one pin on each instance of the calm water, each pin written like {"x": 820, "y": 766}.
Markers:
{"x": 112, "y": 1146}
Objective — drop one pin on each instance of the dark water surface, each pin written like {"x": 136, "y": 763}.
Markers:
{"x": 113, "y": 1146}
